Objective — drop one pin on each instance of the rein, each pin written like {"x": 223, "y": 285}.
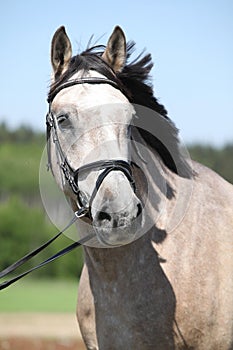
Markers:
{"x": 36, "y": 251}
{"x": 72, "y": 177}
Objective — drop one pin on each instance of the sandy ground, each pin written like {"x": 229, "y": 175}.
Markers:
{"x": 29, "y": 331}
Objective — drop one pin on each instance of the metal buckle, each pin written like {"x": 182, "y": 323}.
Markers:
{"x": 49, "y": 120}
{"x": 81, "y": 212}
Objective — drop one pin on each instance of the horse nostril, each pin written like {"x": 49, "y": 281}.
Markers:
{"x": 104, "y": 216}
{"x": 139, "y": 209}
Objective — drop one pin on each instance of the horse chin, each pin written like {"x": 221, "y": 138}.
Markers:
{"x": 116, "y": 237}
{"x": 108, "y": 239}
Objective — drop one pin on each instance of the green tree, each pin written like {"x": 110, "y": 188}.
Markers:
{"x": 23, "y": 228}
{"x": 218, "y": 159}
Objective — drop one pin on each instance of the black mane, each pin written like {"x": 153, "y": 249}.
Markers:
{"x": 135, "y": 83}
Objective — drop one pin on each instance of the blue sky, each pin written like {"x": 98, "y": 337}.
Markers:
{"x": 191, "y": 43}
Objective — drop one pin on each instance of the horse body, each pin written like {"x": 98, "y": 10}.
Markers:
{"x": 173, "y": 295}
{"x": 172, "y": 287}
{"x": 201, "y": 266}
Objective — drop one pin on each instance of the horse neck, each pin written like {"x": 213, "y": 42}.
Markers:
{"x": 120, "y": 263}
{"x": 169, "y": 194}
{"x": 127, "y": 260}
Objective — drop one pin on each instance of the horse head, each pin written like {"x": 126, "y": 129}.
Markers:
{"x": 89, "y": 151}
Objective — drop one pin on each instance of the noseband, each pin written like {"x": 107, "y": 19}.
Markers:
{"x": 72, "y": 175}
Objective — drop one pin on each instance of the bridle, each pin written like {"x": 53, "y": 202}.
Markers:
{"x": 72, "y": 175}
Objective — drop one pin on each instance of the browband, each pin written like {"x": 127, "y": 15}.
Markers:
{"x": 87, "y": 80}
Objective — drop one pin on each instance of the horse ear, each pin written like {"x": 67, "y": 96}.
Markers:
{"x": 61, "y": 52}
{"x": 115, "y": 52}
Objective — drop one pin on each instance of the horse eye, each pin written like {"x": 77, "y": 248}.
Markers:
{"x": 63, "y": 120}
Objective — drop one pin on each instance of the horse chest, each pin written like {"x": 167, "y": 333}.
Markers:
{"x": 138, "y": 320}
{"x": 133, "y": 311}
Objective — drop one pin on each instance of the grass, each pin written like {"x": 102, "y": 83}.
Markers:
{"x": 39, "y": 296}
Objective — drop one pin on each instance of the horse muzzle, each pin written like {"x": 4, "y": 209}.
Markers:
{"x": 116, "y": 211}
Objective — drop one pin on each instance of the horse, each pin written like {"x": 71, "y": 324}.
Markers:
{"x": 157, "y": 273}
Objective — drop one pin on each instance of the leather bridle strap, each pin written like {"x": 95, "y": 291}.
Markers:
{"x": 87, "y": 80}
{"x": 109, "y": 166}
